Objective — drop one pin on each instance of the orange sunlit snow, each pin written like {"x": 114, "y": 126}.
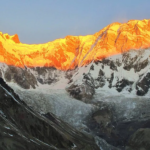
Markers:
{"x": 75, "y": 51}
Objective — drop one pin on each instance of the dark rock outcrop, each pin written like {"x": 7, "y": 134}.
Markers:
{"x": 140, "y": 65}
{"x": 109, "y": 63}
{"x": 82, "y": 92}
{"x": 140, "y": 140}
{"x": 21, "y": 76}
{"x": 143, "y": 85}
{"x": 122, "y": 84}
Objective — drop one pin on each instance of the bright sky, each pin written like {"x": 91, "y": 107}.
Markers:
{"x": 40, "y": 21}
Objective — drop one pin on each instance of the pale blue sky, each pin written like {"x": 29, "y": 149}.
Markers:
{"x": 40, "y": 21}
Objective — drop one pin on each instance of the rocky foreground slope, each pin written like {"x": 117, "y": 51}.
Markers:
{"x": 22, "y": 128}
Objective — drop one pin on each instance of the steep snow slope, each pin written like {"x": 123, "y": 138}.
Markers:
{"x": 127, "y": 73}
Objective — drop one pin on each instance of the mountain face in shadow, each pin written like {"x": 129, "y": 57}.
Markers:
{"x": 22, "y": 128}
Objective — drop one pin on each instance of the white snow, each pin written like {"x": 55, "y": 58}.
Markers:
{"x": 44, "y": 99}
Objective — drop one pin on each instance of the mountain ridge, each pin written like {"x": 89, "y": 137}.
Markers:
{"x": 76, "y": 51}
